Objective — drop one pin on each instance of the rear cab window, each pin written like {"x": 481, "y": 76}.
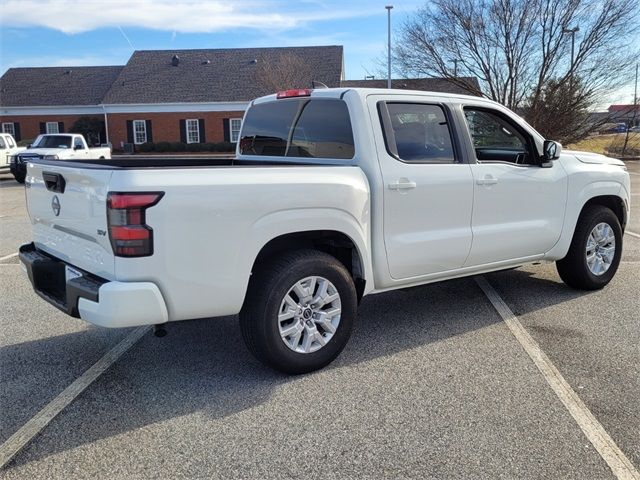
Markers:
{"x": 298, "y": 127}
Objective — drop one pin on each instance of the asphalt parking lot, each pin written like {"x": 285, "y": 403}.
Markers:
{"x": 433, "y": 384}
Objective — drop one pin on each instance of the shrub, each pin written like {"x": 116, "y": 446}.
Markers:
{"x": 195, "y": 147}
{"x": 162, "y": 147}
{"x": 167, "y": 147}
{"x": 26, "y": 142}
{"x": 224, "y": 147}
{"x": 146, "y": 147}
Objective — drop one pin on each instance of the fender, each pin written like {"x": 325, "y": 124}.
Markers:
{"x": 285, "y": 222}
{"x": 574, "y": 208}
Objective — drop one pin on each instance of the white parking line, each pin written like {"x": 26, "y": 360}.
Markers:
{"x": 29, "y": 430}
{"x": 620, "y": 465}
{"x": 633, "y": 234}
{"x": 7, "y": 257}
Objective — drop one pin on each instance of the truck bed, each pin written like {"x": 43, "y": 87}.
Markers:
{"x": 139, "y": 162}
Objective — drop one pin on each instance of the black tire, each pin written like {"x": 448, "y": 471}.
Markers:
{"x": 267, "y": 288}
{"x": 573, "y": 268}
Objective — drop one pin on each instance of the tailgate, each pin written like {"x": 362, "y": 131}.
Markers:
{"x": 68, "y": 211}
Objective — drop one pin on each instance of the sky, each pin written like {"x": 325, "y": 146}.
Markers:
{"x": 38, "y": 33}
{"x": 103, "y": 32}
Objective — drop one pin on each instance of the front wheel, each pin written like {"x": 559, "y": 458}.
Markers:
{"x": 595, "y": 251}
{"x": 299, "y": 311}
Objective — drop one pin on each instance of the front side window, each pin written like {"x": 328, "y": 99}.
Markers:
{"x": 52, "y": 127}
{"x": 77, "y": 143}
{"x": 2, "y": 145}
{"x": 495, "y": 138}
{"x": 234, "y": 129}
{"x": 8, "y": 128}
{"x": 419, "y": 133}
{"x": 139, "y": 131}
{"x": 298, "y": 127}
{"x": 193, "y": 131}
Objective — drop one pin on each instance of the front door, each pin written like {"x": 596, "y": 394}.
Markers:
{"x": 428, "y": 190}
{"x": 518, "y": 205}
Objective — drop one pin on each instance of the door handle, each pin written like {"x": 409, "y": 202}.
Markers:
{"x": 487, "y": 180}
{"x": 402, "y": 185}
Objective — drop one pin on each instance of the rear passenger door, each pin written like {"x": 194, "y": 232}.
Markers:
{"x": 428, "y": 189}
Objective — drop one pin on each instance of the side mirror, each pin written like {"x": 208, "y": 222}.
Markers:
{"x": 551, "y": 150}
{"x": 30, "y": 145}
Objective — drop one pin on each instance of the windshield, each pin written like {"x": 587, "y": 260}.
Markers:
{"x": 52, "y": 141}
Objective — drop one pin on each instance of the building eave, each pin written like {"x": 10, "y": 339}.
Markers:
{"x": 173, "y": 107}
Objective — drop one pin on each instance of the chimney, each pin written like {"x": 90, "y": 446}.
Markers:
{"x": 175, "y": 60}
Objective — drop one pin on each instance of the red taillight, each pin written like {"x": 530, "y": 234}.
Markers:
{"x": 297, "y": 92}
{"x": 129, "y": 234}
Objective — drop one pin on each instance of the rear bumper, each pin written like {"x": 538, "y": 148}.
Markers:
{"x": 93, "y": 299}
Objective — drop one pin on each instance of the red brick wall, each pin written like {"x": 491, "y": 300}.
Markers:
{"x": 165, "y": 126}
{"x": 30, "y": 124}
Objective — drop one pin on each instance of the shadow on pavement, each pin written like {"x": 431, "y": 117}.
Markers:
{"x": 203, "y": 366}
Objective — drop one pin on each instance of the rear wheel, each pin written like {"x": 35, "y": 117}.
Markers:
{"x": 595, "y": 251}
{"x": 299, "y": 311}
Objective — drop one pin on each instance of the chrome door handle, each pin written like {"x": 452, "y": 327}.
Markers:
{"x": 405, "y": 185}
{"x": 487, "y": 180}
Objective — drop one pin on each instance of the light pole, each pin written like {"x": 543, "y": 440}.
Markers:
{"x": 455, "y": 67}
{"x": 572, "y": 31}
{"x": 389, "y": 7}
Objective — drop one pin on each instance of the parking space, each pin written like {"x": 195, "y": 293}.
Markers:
{"x": 432, "y": 385}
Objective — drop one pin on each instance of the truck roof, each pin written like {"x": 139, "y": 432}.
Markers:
{"x": 364, "y": 92}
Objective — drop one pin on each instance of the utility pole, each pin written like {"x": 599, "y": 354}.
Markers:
{"x": 455, "y": 67}
{"x": 389, "y": 7}
{"x": 635, "y": 90}
{"x": 572, "y": 31}
{"x": 632, "y": 122}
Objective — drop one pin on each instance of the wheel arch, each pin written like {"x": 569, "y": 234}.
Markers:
{"x": 613, "y": 202}
{"x": 608, "y": 194}
{"x": 334, "y": 242}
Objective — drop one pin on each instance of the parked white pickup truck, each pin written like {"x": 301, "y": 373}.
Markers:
{"x": 8, "y": 148}
{"x": 334, "y": 194}
{"x": 59, "y": 146}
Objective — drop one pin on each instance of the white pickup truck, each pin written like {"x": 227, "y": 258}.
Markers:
{"x": 58, "y": 146}
{"x": 334, "y": 194}
{"x": 8, "y": 148}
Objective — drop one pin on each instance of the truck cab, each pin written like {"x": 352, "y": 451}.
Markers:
{"x": 56, "y": 146}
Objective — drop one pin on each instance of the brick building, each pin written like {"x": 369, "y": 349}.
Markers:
{"x": 192, "y": 96}
{"x": 189, "y": 96}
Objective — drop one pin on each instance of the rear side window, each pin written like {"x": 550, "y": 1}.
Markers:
{"x": 319, "y": 128}
{"x": 418, "y": 133}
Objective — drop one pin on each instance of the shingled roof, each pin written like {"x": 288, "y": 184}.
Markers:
{"x": 426, "y": 84}
{"x": 218, "y": 75}
{"x": 49, "y": 86}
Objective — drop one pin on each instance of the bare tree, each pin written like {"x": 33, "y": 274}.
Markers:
{"x": 520, "y": 51}
{"x": 283, "y": 72}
